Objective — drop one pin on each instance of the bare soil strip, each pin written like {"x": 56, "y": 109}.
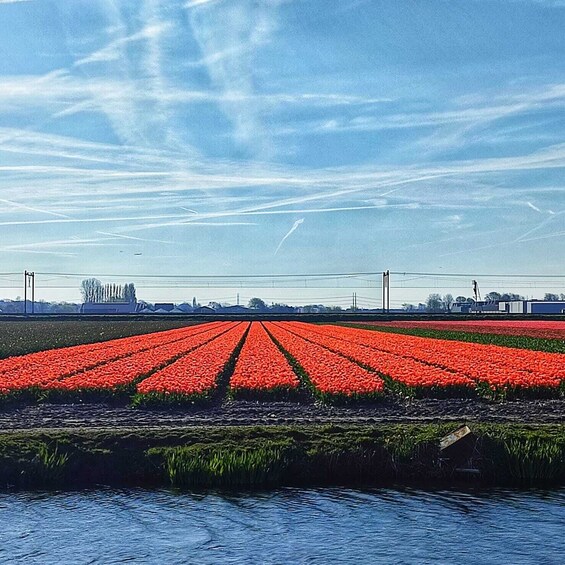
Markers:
{"x": 243, "y": 412}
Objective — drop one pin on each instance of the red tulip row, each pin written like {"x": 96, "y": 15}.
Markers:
{"x": 409, "y": 372}
{"x": 497, "y": 367}
{"x": 330, "y": 374}
{"x": 334, "y": 360}
{"x": 261, "y": 366}
{"x": 99, "y": 371}
{"x": 126, "y": 371}
{"x": 543, "y": 329}
{"x": 196, "y": 374}
{"x": 36, "y": 368}
{"x": 96, "y": 352}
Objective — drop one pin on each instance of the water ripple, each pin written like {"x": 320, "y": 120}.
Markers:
{"x": 289, "y": 525}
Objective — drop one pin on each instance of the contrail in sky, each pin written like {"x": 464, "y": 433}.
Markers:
{"x": 533, "y": 207}
{"x": 18, "y": 205}
{"x": 292, "y": 229}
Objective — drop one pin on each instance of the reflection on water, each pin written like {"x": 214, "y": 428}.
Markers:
{"x": 285, "y": 526}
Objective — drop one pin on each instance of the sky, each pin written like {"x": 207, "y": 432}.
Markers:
{"x": 211, "y": 137}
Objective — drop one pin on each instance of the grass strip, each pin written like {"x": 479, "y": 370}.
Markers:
{"x": 260, "y": 456}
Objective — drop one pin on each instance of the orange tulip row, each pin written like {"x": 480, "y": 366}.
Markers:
{"x": 195, "y": 374}
{"x": 261, "y": 365}
{"x": 409, "y": 372}
{"x": 330, "y": 374}
{"x": 495, "y": 366}
{"x": 94, "y": 353}
{"x": 336, "y": 360}
{"x": 127, "y": 370}
{"x": 47, "y": 368}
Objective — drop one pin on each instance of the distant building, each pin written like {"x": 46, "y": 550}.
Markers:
{"x": 110, "y": 308}
{"x": 165, "y": 306}
{"x": 233, "y": 310}
{"x": 461, "y": 307}
{"x": 532, "y": 307}
{"x": 204, "y": 310}
{"x": 484, "y": 306}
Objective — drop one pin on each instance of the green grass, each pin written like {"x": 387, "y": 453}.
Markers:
{"x": 262, "y": 456}
{"x": 256, "y": 463}
{"x": 19, "y": 337}
{"x": 524, "y": 454}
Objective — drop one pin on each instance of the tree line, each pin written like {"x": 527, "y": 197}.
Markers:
{"x": 438, "y": 303}
{"x": 92, "y": 290}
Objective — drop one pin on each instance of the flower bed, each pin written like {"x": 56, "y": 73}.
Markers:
{"x": 406, "y": 374}
{"x": 330, "y": 375}
{"x": 542, "y": 329}
{"x": 261, "y": 368}
{"x": 194, "y": 376}
{"x": 67, "y": 369}
{"x": 500, "y": 370}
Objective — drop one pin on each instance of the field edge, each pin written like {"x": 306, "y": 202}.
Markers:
{"x": 273, "y": 456}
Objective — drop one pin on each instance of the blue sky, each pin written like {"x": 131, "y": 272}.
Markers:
{"x": 413, "y": 136}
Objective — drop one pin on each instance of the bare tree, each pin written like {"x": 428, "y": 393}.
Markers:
{"x": 434, "y": 303}
{"x": 91, "y": 290}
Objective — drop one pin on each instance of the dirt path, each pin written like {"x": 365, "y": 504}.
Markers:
{"x": 241, "y": 412}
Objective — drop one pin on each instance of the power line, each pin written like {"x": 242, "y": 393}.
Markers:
{"x": 477, "y": 275}
{"x": 240, "y": 276}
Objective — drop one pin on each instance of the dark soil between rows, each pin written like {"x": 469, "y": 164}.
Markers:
{"x": 243, "y": 412}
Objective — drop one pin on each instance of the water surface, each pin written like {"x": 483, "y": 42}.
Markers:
{"x": 331, "y": 525}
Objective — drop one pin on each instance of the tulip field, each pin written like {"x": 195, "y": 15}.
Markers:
{"x": 295, "y": 361}
{"x": 541, "y": 335}
{"x": 544, "y": 329}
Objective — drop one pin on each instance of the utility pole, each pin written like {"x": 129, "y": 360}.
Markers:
{"x": 238, "y": 298}
{"x": 476, "y": 291}
{"x": 386, "y": 291}
{"x": 354, "y": 302}
{"x": 29, "y": 282}
{"x": 477, "y": 295}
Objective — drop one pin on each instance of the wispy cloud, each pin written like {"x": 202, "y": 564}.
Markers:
{"x": 500, "y": 244}
{"x": 39, "y": 252}
{"x": 32, "y": 209}
{"x": 238, "y": 116}
{"x": 229, "y": 35}
{"x": 463, "y": 117}
{"x": 112, "y": 78}
{"x": 533, "y": 207}
{"x": 268, "y": 187}
{"x": 289, "y": 233}
{"x": 130, "y": 237}
{"x": 548, "y": 221}
{"x": 114, "y": 50}
{"x": 197, "y": 3}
